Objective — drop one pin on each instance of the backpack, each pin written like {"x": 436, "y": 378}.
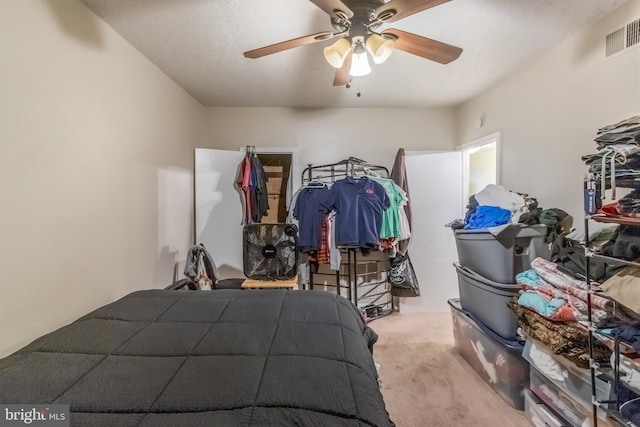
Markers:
{"x": 200, "y": 267}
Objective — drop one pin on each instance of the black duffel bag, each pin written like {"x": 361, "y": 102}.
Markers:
{"x": 570, "y": 257}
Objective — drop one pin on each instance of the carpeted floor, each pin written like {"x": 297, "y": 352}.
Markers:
{"x": 425, "y": 382}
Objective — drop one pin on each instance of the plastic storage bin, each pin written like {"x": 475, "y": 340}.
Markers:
{"x": 577, "y": 414}
{"x": 497, "y": 361}
{"x": 564, "y": 375}
{"x": 487, "y": 301}
{"x": 631, "y": 410}
{"x": 538, "y": 414}
{"x": 500, "y": 259}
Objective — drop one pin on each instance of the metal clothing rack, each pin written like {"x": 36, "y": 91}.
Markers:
{"x": 362, "y": 277}
{"x": 331, "y": 172}
{"x": 608, "y": 404}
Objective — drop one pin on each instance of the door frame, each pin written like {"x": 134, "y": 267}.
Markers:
{"x": 464, "y": 148}
{"x": 295, "y": 175}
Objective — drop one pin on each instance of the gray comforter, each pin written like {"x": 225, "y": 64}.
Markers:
{"x": 206, "y": 358}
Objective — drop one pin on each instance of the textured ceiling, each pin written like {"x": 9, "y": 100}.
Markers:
{"x": 199, "y": 44}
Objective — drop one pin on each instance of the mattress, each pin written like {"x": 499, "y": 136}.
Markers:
{"x": 206, "y": 358}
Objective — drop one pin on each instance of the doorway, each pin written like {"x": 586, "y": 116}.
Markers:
{"x": 480, "y": 164}
{"x": 458, "y": 175}
{"x": 277, "y": 168}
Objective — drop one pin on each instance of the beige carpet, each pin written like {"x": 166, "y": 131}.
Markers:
{"x": 425, "y": 382}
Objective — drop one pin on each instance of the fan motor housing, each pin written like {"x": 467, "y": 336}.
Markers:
{"x": 362, "y": 19}
{"x": 269, "y": 251}
{"x": 369, "y": 5}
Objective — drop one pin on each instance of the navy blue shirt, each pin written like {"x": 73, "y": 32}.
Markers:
{"x": 359, "y": 204}
{"x": 309, "y": 213}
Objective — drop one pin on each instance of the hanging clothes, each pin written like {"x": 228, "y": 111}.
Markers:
{"x": 335, "y": 258}
{"x": 399, "y": 175}
{"x": 308, "y": 212}
{"x": 251, "y": 184}
{"x": 242, "y": 184}
{"x": 330, "y": 174}
{"x": 391, "y": 221}
{"x": 259, "y": 186}
{"x": 323, "y": 253}
{"x": 359, "y": 204}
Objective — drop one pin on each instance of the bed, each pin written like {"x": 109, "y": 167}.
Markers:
{"x": 206, "y": 358}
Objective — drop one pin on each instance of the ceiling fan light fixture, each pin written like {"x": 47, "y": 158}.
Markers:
{"x": 336, "y": 53}
{"x": 379, "y": 48}
{"x": 359, "y": 62}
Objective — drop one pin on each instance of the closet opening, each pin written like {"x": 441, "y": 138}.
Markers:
{"x": 277, "y": 168}
{"x": 219, "y": 212}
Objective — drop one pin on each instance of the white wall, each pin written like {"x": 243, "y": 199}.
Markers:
{"x": 95, "y": 168}
{"x": 329, "y": 135}
{"x": 550, "y": 109}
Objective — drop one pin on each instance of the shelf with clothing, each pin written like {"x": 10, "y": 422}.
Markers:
{"x": 625, "y": 381}
{"x": 360, "y": 270}
{"x": 599, "y": 333}
{"x": 599, "y": 392}
{"x": 615, "y": 164}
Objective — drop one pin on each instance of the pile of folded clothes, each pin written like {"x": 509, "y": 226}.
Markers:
{"x": 552, "y": 307}
{"x": 617, "y": 161}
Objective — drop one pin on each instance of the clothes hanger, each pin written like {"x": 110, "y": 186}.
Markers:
{"x": 315, "y": 184}
{"x": 369, "y": 172}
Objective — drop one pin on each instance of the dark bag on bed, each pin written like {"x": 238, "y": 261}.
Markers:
{"x": 402, "y": 277}
{"x": 200, "y": 267}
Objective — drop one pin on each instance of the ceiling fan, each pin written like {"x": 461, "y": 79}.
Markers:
{"x": 356, "y": 22}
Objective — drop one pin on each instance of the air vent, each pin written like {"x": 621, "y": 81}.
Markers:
{"x": 633, "y": 33}
{"x": 615, "y": 42}
{"x": 623, "y": 38}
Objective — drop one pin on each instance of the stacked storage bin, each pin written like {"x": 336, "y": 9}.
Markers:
{"x": 486, "y": 280}
{"x": 560, "y": 390}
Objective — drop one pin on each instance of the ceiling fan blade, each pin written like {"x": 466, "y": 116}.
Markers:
{"x": 342, "y": 76}
{"x": 331, "y": 6}
{"x": 424, "y": 47}
{"x": 398, "y": 9}
{"x": 289, "y": 44}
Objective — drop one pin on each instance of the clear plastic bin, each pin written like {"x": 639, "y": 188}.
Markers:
{"x": 566, "y": 376}
{"x": 560, "y": 401}
{"x": 497, "y": 361}
{"x": 538, "y": 414}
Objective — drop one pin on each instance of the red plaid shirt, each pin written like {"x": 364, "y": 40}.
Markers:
{"x": 323, "y": 252}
